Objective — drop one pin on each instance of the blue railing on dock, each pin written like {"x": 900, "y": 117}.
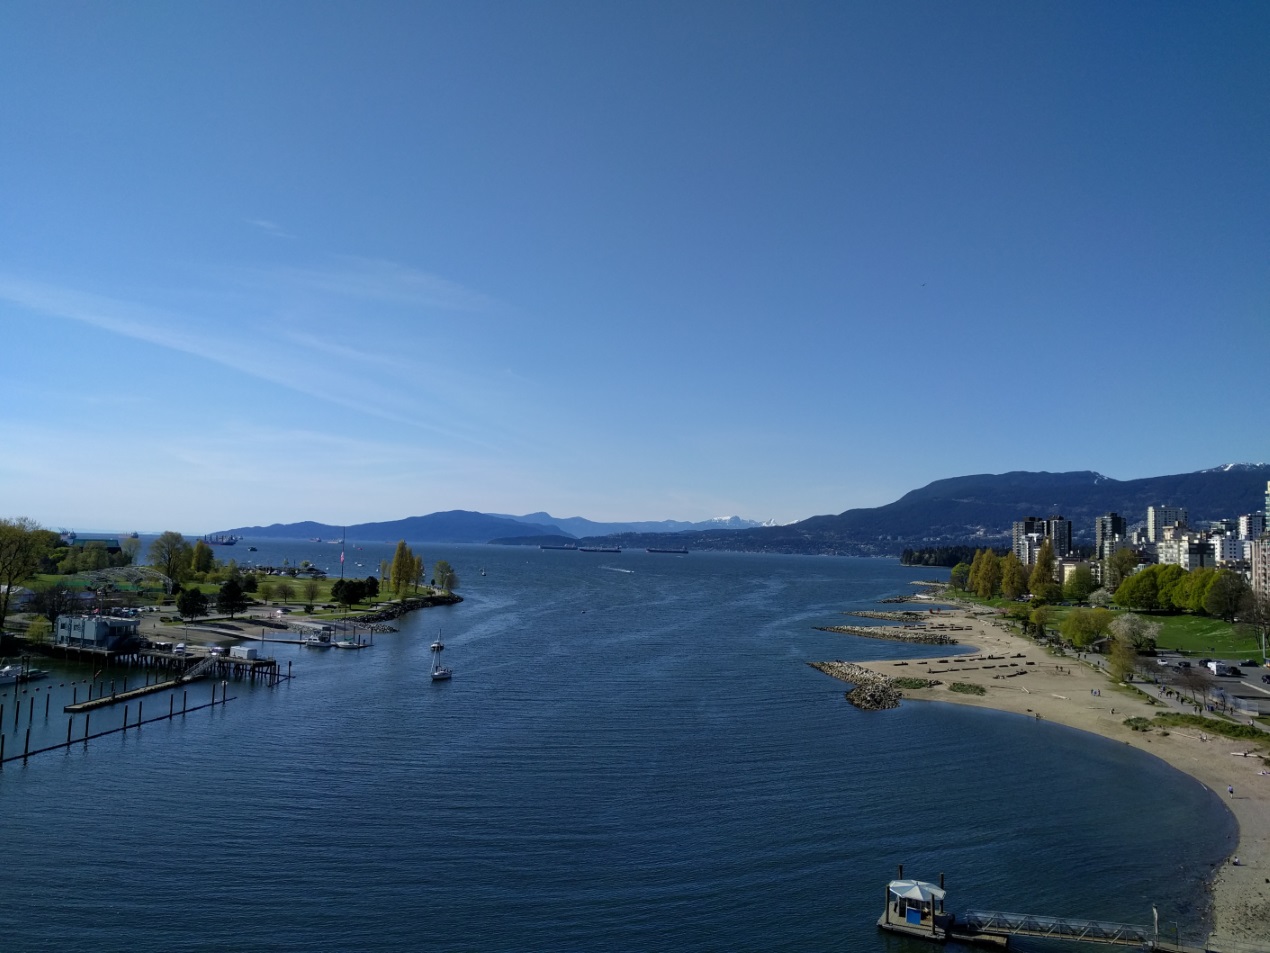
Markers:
{"x": 1025, "y": 924}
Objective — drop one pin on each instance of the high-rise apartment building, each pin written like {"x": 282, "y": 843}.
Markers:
{"x": 1109, "y": 531}
{"x": 1252, "y": 525}
{"x": 1159, "y": 517}
{"x": 1260, "y": 561}
{"x": 1059, "y": 532}
{"x": 1030, "y": 533}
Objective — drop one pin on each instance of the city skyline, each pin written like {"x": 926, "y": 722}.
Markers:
{"x": 649, "y": 262}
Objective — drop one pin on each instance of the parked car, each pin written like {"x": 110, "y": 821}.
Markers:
{"x": 1250, "y": 662}
{"x": 1266, "y": 679}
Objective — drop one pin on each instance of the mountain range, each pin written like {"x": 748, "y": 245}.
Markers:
{"x": 467, "y": 526}
{"x": 977, "y": 509}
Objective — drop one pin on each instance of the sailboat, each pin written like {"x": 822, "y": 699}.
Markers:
{"x": 438, "y": 645}
{"x": 439, "y": 672}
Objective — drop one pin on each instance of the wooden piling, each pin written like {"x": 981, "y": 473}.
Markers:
{"x": 139, "y": 704}
{"x": 48, "y": 700}
{"x": 30, "y": 714}
{"x": 70, "y": 723}
{"x": 26, "y": 751}
{"x": 88, "y": 717}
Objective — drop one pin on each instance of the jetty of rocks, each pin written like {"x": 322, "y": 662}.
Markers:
{"x": 872, "y": 691}
{"x": 904, "y": 615}
{"x": 898, "y": 633}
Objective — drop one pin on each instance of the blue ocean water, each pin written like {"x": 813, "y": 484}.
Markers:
{"x": 632, "y": 755}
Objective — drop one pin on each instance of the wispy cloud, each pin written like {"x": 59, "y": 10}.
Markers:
{"x": 370, "y": 279}
{"x": 181, "y": 333}
{"x": 269, "y": 227}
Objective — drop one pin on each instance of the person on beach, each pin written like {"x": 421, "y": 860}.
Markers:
{"x": 1230, "y": 789}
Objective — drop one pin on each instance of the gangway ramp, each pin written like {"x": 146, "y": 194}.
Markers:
{"x": 998, "y": 923}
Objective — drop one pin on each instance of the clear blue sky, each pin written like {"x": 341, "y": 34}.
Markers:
{"x": 359, "y": 261}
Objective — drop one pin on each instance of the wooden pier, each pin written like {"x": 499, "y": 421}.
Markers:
{"x": 87, "y": 735}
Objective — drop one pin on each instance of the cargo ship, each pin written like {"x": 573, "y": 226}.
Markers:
{"x": 599, "y": 549}
{"x": 544, "y": 546}
{"x": 674, "y": 552}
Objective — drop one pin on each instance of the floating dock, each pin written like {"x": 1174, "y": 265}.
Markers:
{"x": 915, "y": 908}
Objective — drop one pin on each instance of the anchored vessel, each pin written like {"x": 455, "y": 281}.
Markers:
{"x": 439, "y": 672}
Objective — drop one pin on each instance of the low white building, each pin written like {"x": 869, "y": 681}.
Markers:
{"x": 95, "y": 631}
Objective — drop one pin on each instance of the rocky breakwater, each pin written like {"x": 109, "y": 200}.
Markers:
{"x": 937, "y": 635}
{"x": 397, "y": 609}
{"x": 872, "y": 691}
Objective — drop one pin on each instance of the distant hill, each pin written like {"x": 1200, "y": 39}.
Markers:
{"x": 981, "y": 509}
{"x": 452, "y": 526}
{"x": 975, "y": 510}
{"x": 580, "y": 526}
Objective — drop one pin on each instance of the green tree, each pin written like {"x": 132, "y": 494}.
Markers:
{"x": 265, "y": 591}
{"x": 976, "y": 569}
{"x": 1083, "y": 627}
{"x": 191, "y": 604}
{"x": 1167, "y": 579}
{"x": 94, "y": 557}
{"x": 1122, "y": 659}
{"x": 131, "y": 548}
{"x": 1079, "y": 584}
{"x": 311, "y": 589}
{"x": 251, "y": 583}
{"x": 1013, "y": 576}
{"x": 39, "y": 630}
{"x": 402, "y": 570}
{"x": 444, "y": 576}
{"x": 22, "y": 544}
{"x": 1227, "y": 591}
{"x": 170, "y": 554}
{"x": 1139, "y": 592}
{"x": 1040, "y": 617}
{"x": 1042, "y": 581}
{"x": 989, "y": 583}
{"x": 1118, "y": 567}
{"x": 231, "y": 599}
{"x": 201, "y": 557}
{"x": 286, "y": 591}
{"x": 958, "y": 576}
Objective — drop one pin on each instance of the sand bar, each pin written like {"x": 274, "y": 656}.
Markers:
{"x": 1060, "y": 689}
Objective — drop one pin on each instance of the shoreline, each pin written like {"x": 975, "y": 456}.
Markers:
{"x": 1073, "y": 692}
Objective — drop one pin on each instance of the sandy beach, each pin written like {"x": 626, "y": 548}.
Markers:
{"x": 1076, "y": 693}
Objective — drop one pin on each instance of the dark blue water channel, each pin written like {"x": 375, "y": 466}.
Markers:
{"x": 632, "y": 755}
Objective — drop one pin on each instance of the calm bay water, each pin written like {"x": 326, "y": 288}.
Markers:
{"x": 633, "y": 755}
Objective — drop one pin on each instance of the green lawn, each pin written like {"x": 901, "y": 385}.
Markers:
{"x": 1201, "y": 635}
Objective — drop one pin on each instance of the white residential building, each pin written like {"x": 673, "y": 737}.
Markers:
{"x": 1159, "y": 517}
